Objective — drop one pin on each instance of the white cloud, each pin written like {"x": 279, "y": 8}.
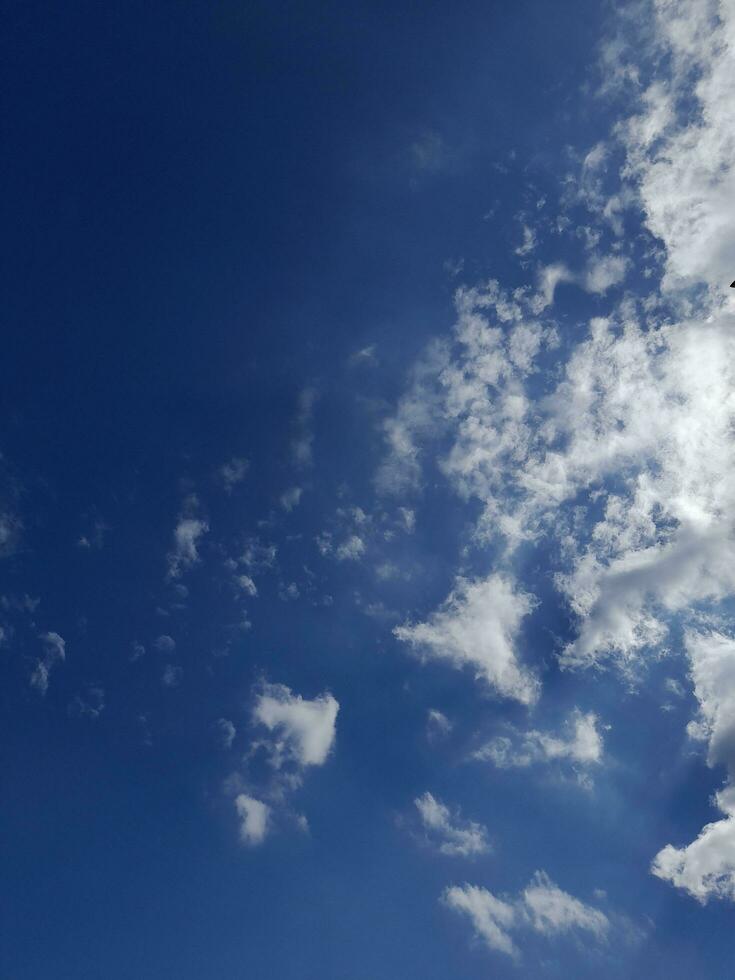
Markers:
{"x": 449, "y": 833}
{"x": 226, "y": 732}
{"x": 553, "y": 911}
{"x": 290, "y": 498}
{"x": 300, "y": 733}
{"x": 254, "y": 818}
{"x": 706, "y": 867}
{"x": 437, "y": 725}
{"x": 89, "y": 704}
{"x": 529, "y": 242}
{"x": 491, "y": 917}
{"x": 247, "y": 585}
{"x": 683, "y": 161}
{"x": 417, "y": 416}
{"x": 477, "y": 626}
{"x": 365, "y": 356}
{"x": 305, "y": 730}
{"x": 542, "y": 907}
{"x": 351, "y": 549}
{"x": 581, "y": 743}
{"x": 187, "y": 534}
{"x": 54, "y": 653}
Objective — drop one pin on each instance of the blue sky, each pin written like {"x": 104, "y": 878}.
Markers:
{"x": 366, "y": 490}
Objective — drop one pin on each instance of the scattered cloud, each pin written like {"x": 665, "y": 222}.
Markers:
{"x": 542, "y": 908}
{"x": 706, "y": 867}
{"x": 290, "y": 498}
{"x": 187, "y": 535}
{"x": 448, "y": 832}
{"x": 438, "y": 726}
{"x": 254, "y": 816}
{"x": 54, "y": 653}
{"x": 302, "y": 445}
{"x": 226, "y": 732}
{"x": 477, "y": 626}
{"x": 89, "y": 704}
{"x": 171, "y": 676}
{"x": 303, "y": 731}
{"x": 233, "y": 472}
{"x": 364, "y": 357}
{"x": 580, "y": 743}
{"x": 247, "y": 585}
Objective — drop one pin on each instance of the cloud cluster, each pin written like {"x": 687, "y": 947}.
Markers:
{"x": 298, "y": 734}
{"x": 580, "y": 743}
{"x": 612, "y": 451}
{"x": 448, "y": 832}
{"x": 542, "y": 907}
{"x": 706, "y": 867}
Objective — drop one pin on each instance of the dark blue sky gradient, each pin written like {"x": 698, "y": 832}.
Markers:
{"x": 206, "y": 208}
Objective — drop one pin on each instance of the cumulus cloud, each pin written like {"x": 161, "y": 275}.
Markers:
{"x": 292, "y": 735}
{"x": 679, "y": 143}
{"x": 254, "y": 816}
{"x": 448, "y": 832}
{"x": 542, "y": 907}
{"x": 304, "y": 731}
{"x": 247, "y": 585}
{"x": 54, "y": 653}
{"x": 491, "y": 917}
{"x": 706, "y": 867}
{"x": 580, "y": 743}
{"x": 187, "y": 534}
{"x": 477, "y": 626}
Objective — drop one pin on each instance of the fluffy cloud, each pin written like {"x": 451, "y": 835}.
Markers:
{"x": 581, "y": 743}
{"x": 300, "y": 734}
{"x": 477, "y": 626}
{"x": 491, "y": 917}
{"x": 187, "y": 534}
{"x": 449, "y": 833}
{"x": 542, "y": 907}
{"x": 680, "y": 144}
{"x": 706, "y": 867}
{"x": 254, "y": 816}
{"x": 552, "y": 911}
{"x": 304, "y": 731}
